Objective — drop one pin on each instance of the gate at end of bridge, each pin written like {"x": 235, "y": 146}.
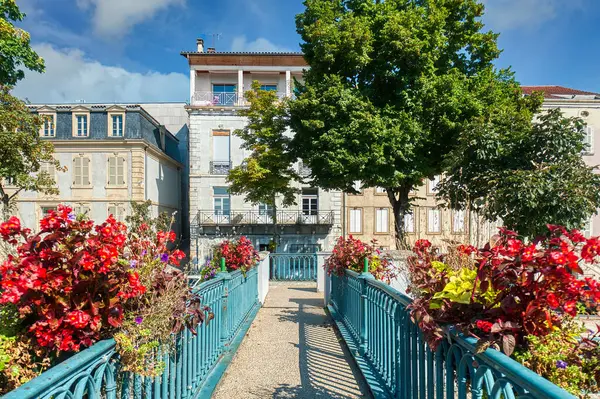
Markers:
{"x": 293, "y": 267}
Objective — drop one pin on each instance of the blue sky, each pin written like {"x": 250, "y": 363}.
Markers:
{"x": 128, "y": 50}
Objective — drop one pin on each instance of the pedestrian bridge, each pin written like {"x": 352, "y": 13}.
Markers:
{"x": 276, "y": 339}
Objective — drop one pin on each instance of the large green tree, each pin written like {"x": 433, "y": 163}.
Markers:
{"x": 22, "y": 151}
{"x": 268, "y": 172}
{"x": 526, "y": 174}
{"x": 391, "y": 86}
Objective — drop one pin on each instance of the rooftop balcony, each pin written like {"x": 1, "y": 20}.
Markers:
{"x": 258, "y": 217}
{"x": 216, "y": 99}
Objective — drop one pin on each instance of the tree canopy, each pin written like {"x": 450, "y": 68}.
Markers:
{"x": 14, "y": 46}
{"x": 22, "y": 151}
{"x": 526, "y": 174}
{"x": 269, "y": 171}
{"x": 391, "y": 87}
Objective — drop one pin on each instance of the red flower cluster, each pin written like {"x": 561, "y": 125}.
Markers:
{"x": 350, "y": 253}
{"x": 239, "y": 254}
{"x": 69, "y": 279}
{"x": 533, "y": 286}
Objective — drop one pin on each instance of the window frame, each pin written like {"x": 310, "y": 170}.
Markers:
{"x": 430, "y": 190}
{"x": 429, "y": 209}
{"x": 89, "y": 174}
{"x": 118, "y": 206}
{"x": 221, "y": 197}
{"x": 262, "y": 85}
{"x": 414, "y": 221}
{"x": 377, "y": 209}
{"x": 43, "y": 165}
{"x": 82, "y": 205}
{"x": 45, "y": 115}
{"x": 310, "y": 197}
{"x": 464, "y": 230}
{"x": 75, "y": 129}
{"x": 589, "y": 132}
{"x": 111, "y": 115}
{"x": 220, "y": 94}
{"x": 116, "y": 156}
{"x": 361, "y": 220}
{"x": 377, "y": 192}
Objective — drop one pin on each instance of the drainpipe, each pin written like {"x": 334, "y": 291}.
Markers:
{"x": 344, "y": 214}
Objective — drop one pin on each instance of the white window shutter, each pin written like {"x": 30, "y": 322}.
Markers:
{"x": 409, "y": 222}
{"x": 77, "y": 170}
{"x": 120, "y": 170}
{"x": 86, "y": 171}
{"x": 112, "y": 171}
{"x": 590, "y": 133}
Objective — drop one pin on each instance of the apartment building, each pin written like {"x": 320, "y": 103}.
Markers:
{"x": 113, "y": 154}
{"x": 369, "y": 216}
{"x": 218, "y": 81}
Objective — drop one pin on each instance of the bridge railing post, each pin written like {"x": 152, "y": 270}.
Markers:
{"x": 223, "y": 274}
{"x": 364, "y": 276}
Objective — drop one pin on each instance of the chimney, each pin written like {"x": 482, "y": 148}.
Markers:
{"x": 211, "y": 50}
{"x": 200, "y": 44}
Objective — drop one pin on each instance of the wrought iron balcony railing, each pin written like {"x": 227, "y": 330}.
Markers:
{"x": 210, "y": 98}
{"x": 256, "y": 217}
{"x": 220, "y": 167}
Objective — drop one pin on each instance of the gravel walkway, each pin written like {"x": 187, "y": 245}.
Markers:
{"x": 292, "y": 351}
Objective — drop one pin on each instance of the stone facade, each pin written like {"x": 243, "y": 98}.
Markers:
{"x": 106, "y": 171}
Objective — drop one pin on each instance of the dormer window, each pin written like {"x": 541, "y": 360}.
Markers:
{"x": 82, "y": 125}
{"x": 116, "y": 121}
{"x": 81, "y": 121}
{"x": 48, "y": 128}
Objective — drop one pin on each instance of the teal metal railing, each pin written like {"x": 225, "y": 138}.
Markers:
{"x": 293, "y": 267}
{"x": 94, "y": 372}
{"x": 398, "y": 364}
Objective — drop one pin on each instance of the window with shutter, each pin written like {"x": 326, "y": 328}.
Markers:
{"x": 432, "y": 185}
{"x": 434, "y": 222}
{"x": 117, "y": 211}
{"x": 382, "y": 220}
{"x": 355, "y": 220}
{"x": 116, "y": 171}
{"x": 588, "y": 140}
{"x": 49, "y": 169}
{"x": 458, "y": 222}
{"x": 81, "y": 210}
{"x": 409, "y": 222}
{"x": 81, "y": 171}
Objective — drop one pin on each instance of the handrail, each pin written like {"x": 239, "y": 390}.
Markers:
{"x": 400, "y": 364}
{"x": 211, "y": 217}
{"x": 94, "y": 371}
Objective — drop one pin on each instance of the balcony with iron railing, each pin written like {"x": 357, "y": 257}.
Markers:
{"x": 259, "y": 217}
{"x": 219, "y": 167}
{"x": 212, "y": 99}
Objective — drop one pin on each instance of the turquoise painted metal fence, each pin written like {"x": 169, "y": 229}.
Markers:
{"x": 398, "y": 364}
{"x": 294, "y": 267}
{"x": 94, "y": 372}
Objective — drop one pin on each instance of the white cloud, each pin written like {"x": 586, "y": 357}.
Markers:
{"x": 240, "y": 43}
{"x": 114, "y": 18}
{"x": 70, "y": 76}
{"x": 513, "y": 14}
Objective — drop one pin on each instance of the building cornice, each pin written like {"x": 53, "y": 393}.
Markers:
{"x": 112, "y": 145}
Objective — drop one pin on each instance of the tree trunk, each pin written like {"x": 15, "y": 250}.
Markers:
{"x": 5, "y": 207}
{"x": 400, "y": 205}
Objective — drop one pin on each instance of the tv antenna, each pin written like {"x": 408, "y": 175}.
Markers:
{"x": 215, "y": 37}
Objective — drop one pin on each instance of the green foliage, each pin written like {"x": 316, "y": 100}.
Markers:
{"x": 391, "y": 86}
{"x": 528, "y": 175}
{"x": 22, "y": 151}
{"x": 564, "y": 359}
{"x": 141, "y": 218}
{"x": 269, "y": 170}
{"x": 14, "y": 46}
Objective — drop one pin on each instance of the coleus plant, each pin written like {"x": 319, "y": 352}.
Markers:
{"x": 505, "y": 291}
